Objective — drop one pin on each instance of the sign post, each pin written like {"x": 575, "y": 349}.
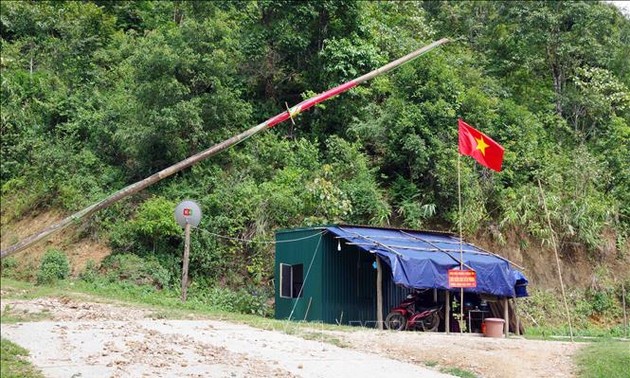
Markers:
{"x": 187, "y": 214}
{"x": 185, "y": 261}
{"x": 459, "y": 278}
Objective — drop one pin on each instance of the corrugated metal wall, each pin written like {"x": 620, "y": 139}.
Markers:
{"x": 341, "y": 285}
{"x": 349, "y": 284}
{"x": 300, "y": 246}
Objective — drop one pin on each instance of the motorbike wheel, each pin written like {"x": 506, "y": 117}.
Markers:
{"x": 395, "y": 321}
{"x": 430, "y": 324}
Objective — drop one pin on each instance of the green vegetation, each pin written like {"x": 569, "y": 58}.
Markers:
{"x": 431, "y": 363}
{"x": 596, "y": 311}
{"x": 163, "y": 305}
{"x": 458, "y": 372}
{"x": 323, "y": 337}
{"x": 13, "y": 363}
{"x": 54, "y": 267}
{"x": 12, "y": 315}
{"x": 96, "y": 95}
{"x": 604, "y": 360}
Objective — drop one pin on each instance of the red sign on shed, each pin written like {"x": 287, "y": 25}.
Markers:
{"x": 462, "y": 278}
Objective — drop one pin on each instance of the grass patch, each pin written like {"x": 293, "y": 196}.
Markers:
{"x": 459, "y": 372}
{"x": 589, "y": 331}
{"x": 323, "y": 337}
{"x": 11, "y": 314}
{"x": 13, "y": 362}
{"x": 25, "y": 290}
{"x": 606, "y": 359}
{"x": 162, "y": 304}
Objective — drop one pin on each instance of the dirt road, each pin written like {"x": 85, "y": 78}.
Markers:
{"x": 86, "y": 339}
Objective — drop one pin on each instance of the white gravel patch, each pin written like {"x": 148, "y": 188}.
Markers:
{"x": 190, "y": 348}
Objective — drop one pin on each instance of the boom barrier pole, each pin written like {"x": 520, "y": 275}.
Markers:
{"x": 271, "y": 122}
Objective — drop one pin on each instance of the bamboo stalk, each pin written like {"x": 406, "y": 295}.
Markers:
{"x": 271, "y": 122}
{"x": 625, "y": 317}
{"x": 555, "y": 250}
{"x": 461, "y": 241}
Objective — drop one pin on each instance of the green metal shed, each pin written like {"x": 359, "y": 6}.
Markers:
{"x": 318, "y": 277}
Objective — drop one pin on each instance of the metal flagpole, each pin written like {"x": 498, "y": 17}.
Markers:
{"x": 461, "y": 247}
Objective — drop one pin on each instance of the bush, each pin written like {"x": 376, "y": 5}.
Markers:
{"x": 255, "y": 301}
{"x": 136, "y": 270}
{"x": 9, "y": 266}
{"x": 54, "y": 267}
{"x": 90, "y": 274}
{"x": 246, "y": 301}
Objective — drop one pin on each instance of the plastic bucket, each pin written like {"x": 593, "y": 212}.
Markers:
{"x": 494, "y": 327}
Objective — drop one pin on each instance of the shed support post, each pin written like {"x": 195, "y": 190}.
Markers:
{"x": 379, "y": 293}
{"x": 518, "y": 320}
{"x": 506, "y": 326}
{"x": 447, "y": 313}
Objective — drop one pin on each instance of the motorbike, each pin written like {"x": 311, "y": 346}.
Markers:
{"x": 409, "y": 316}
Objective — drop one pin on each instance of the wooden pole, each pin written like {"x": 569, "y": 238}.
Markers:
{"x": 625, "y": 317}
{"x": 379, "y": 293}
{"x": 447, "y": 312}
{"x": 310, "y": 300}
{"x": 518, "y": 319}
{"x": 185, "y": 262}
{"x": 555, "y": 250}
{"x": 271, "y": 122}
{"x": 506, "y": 317}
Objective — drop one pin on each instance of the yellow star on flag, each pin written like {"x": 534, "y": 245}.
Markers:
{"x": 481, "y": 145}
{"x": 472, "y": 140}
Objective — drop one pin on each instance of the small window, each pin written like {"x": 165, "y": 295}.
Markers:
{"x": 291, "y": 280}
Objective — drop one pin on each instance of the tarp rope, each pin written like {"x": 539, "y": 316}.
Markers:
{"x": 307, "y": 274}
{"x": 260, "y": 241}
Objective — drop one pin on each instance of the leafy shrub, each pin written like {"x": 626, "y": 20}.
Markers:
{"x": 602, "y": 301}
{"x": 90, "y": 273}
{"x": 153, "y": 233}
{"x": 255, "y": 301}
{"x": 9, "y": 266}
{"x": 155, "y": 219}
{"x": 54, "y": 266}
{"x": 246, "y": 301}
{"x": 136, "y": 270}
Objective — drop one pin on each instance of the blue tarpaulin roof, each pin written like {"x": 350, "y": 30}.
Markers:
{"x": 422, "y": 259}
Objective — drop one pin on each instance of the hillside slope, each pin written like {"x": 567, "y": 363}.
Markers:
{"x": 97, "y": 95}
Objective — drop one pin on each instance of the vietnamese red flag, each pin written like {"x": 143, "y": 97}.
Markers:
{"x": 482, "y": 148}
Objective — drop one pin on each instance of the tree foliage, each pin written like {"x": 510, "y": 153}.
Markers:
{"x": 98, "y": 94}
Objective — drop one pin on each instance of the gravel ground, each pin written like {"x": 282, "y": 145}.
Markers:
{"x": 100, "y": 340}
{"x": 514, "y": 357}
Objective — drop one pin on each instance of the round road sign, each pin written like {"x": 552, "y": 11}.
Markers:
{"x": 188, "y": 212}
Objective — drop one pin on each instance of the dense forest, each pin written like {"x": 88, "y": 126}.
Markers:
{"x": 99, "y": 94}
